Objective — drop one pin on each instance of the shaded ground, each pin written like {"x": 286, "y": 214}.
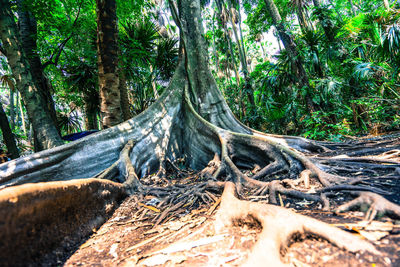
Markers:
{"x": 187, "y": 237}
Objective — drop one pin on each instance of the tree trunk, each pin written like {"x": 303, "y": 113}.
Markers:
{"x": 22, "y": 115}
{"x": 12, "y": 109}
{"x": 223, "y": 21}
{"x": 107, "y": 60}
{"x": 123, "y": 89}
{"x": 327, "y": 27}
{"x": 91, "y": 111}
{"x": 352, "y": 8}
{"x": 8, "y": 136}
{"x": 291, "y": 48}
{"x": 28, "y": 32}
{"x": 248, "y": 83}
{"x": 303, "y": 21}
{"x": 47, "y": 133}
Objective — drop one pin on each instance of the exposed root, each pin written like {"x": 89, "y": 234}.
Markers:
{"x": 37, "y": 218}
{"x": 279, "y": 225}
{"x": 374, "y": 205}
{"x": 276, "y": 187}
{"x": 132, "y": 182}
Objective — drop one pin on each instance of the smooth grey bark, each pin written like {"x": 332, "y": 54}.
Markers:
{"x": 44, "y": 127}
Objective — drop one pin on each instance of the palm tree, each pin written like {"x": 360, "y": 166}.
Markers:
{"x": 28, "y": 32}
{"x": 44, "y": 127}
{"x": 291, "y": 48}
{"x": 107, "y": 59}
{"x": 148, "y": 58}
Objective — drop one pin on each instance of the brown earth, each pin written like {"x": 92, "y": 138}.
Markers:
{"x": 128, "y": 238}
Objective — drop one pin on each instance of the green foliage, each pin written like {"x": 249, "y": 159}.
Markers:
{"x": 354, "y": 79}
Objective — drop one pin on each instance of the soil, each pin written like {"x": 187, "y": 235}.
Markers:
{"x": 125, "y": 240}
{"x": 131, "y": 237}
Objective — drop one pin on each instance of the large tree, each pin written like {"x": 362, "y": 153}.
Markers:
{"x": 190, "y": 121}
{"x": 46, "y": 132}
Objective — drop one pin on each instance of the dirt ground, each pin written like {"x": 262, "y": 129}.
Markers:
{"x": 127, "y": 240}
{"x": 131, "y": 237}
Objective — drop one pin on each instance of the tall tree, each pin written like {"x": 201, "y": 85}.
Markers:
{"x": 325, "y": 21}
{"x": 28, "y": 33}
{"x": 291, "y": 48}
{"x": 107, "y": 58}
{"x": 44, "y": 127}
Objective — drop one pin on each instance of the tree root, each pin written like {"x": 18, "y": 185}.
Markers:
{"x": 279, "y": 225}
{"x": 377, "y": 206}
{"x": 36, "y": 218}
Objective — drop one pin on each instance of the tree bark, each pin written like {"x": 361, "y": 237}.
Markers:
{"x": 123, "y": 89}
{"x": 303, "y": 21}
{"x": 28, "y": 32}
{"x": 12, "y": 109}
{"x": 46, "y": 131}
{"x": 8, "y": 136}
{"x": 91, "y": 111}
{"x": 107, "y": 60}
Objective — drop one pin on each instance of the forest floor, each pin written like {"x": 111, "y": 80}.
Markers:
{"x": 131, "y": 238}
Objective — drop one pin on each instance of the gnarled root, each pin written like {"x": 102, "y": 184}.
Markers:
{"x": 376, "y": 205}
{"x": 278, "y": 226}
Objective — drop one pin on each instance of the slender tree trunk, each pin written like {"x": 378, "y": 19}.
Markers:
{"x": 8, "y": 136}
{"x": 221, "y": 13}
{"x": 46, "y": 131}
{"x": 386, "y": 5}
{"x": 214, "y": 46}
{"x": 107, "y": 56}
{"x": 291, "y": 48}
{"x": 248, "y": 83}
{"x": 28, "y": 32}
{"x": 17, "y": 115}
{"x": 327, "y": 27}
{"x": 303, "y": 21}
{"x": 240, "y": 30}
{"x": 12, "y": 109}
{"x": 23, "y": 122}
{"x": 123, "y": 90}
{"x": 90, "y": 110}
